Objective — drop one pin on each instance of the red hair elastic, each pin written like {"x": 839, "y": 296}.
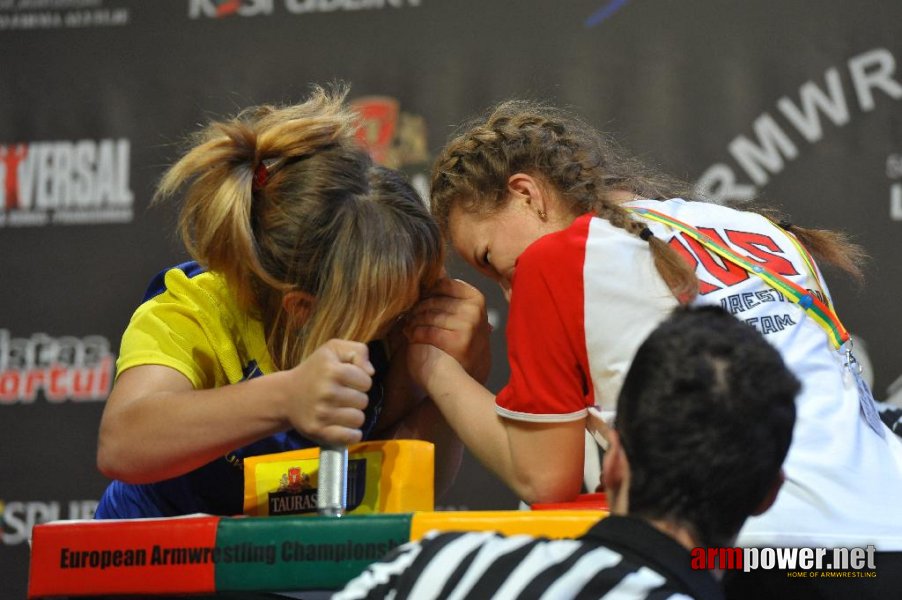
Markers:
{"x": 261, "y": 175}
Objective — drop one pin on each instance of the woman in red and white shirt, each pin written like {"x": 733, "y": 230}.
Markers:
{"x": 541, "y": 203}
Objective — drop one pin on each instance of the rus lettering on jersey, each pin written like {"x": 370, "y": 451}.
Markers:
{"x": 64, "y": 368}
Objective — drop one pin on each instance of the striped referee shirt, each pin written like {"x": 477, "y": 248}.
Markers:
{"x": 619, "y": 557}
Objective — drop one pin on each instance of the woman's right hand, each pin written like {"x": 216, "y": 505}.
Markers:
{"x": 156, "y": 426}
{"x": 325, "y": 395}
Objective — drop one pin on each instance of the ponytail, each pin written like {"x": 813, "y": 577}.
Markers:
{"x": 219, "y": 174}
{"x": 835, "y": 248}
{"x": 284, "y": 198}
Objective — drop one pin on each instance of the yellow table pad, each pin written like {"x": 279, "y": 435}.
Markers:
{"x": 389, "y": 476}
{"x": 545, "y": 523}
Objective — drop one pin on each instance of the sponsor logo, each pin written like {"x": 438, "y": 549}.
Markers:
{"x": 60, "y": 14}
{"x": 297, "y": 495}
{"x": 218, "y": 9}
{"x": 63, "y": 368}
{"x": 757, "y": 158}
{"x": 18, "y": 517}
{"x": 812, "y": 563}
{"x": 65, "y": 183}
{"x": 295, "y": 480}
{"x": 394, "y": 138}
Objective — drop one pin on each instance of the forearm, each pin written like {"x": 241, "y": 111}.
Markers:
{"x": 409, "y": 414}
{"x": 163, "y": 434}
{"x": 156, "y": 426}
{"x": 540, "y": 462}
{"x": 402, "y": 396}
{"x": 469, "y": 409}
{"x": 426, "y": 422}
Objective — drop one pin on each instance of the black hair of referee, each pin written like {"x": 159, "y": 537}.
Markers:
{"x": 705, "y": 419}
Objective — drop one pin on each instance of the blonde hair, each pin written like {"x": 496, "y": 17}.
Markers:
{"x": 582, "y": 166}
{"x": 284, "y": 198}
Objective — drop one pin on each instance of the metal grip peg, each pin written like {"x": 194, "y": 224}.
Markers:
{"x": 332, "y": 495}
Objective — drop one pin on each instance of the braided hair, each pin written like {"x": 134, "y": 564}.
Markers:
{"x": 583, "y": 166}
{"x": 562, "y": 151}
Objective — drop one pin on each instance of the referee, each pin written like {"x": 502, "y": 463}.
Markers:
{"x": 703, "y": 390}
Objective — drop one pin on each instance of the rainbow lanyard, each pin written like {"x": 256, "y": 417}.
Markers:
{"x": 813, "y": 306}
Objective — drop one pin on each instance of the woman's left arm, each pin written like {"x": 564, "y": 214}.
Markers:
{"x": 408, "y": 411}
{"x": 539, "y": 461}
{"x": 409, "y": 414}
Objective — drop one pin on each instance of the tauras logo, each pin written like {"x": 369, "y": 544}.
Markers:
{"x": 18, "y": 517}
{"x": 297, "y": 494}
{"x": 65, "y": 182}
{"x": 64, "y": 368}
{"x": 872, "y": 75}
{"x": 217, "y": 9}
{"x": 292, "y": 503}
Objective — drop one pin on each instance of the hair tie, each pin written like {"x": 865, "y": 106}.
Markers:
{"x": 261, "y": 175}
{"x": 646, "y": 234}
{"x": 785, "y": 224}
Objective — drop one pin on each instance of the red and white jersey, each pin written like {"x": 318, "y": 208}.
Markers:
{"x": 586, "y": 297}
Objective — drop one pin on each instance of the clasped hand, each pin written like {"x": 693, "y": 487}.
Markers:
{"x": 333, "y": 383}
{"x": 450, "y": 322}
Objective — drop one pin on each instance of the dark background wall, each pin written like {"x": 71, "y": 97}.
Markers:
{"x": 796, "y": 101}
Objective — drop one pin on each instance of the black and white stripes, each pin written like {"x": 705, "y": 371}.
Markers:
{"x": 455, "y": 566}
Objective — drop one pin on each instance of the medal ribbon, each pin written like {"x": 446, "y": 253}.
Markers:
{"x": 813, "y": 306}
